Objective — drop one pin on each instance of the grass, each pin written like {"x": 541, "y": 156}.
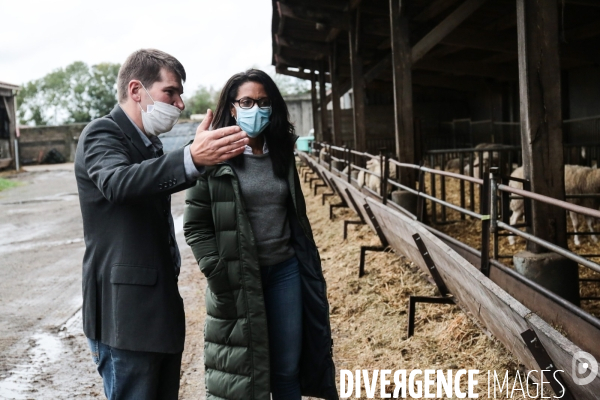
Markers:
{"x": 7, "y": 184}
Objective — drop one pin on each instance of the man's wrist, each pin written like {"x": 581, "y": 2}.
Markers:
{"x": 192, "y": 170}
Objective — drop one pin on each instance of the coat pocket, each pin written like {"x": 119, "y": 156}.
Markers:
{"x": 133, "y": 275}
{"x": 218, "y": 280}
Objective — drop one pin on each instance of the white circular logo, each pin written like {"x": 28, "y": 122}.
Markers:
{"x": 584, "y": 368}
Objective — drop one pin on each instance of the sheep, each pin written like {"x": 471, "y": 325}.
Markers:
{"x": 578, "y": 180}
{"x": 323, "y": 154}
{"x": 370, "y": 180}
{"x": 362, "y": 176}
{"x": 373, "y": 182}
{"x": 582, "y": 180}
{"x": 486, "y": 156}
{"x": 517, "y": 206}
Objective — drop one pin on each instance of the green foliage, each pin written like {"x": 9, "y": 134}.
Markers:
{"x": 201, "y": 100}
{"x": 7, "y": 184}
{"x": 76, "y": 93}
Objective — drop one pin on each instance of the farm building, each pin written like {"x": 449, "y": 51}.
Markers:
{"x": 443, "y": 76}
{"x": 8, "y": 123}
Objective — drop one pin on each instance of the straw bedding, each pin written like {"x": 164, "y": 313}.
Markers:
{"x": 369, "y": 314}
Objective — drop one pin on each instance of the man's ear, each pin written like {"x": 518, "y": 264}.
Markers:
{"x": 134, "y": 90}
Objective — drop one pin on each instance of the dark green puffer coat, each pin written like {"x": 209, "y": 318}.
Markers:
{"x": 236, "y": 348}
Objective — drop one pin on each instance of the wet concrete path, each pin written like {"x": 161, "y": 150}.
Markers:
{"x": 43, "y": 353}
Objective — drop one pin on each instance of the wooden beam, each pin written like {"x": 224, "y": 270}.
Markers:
{"x": 325, "y": 130}
{"x": 505, "y": 22}
{"x": 587, "y": 3}
{"x": 463, "y": 12}
{"x": 403, "y": 103}
{"x": 541, "y": 115}
{"x": 358, "y": 89}
{"x": 315, "y": 106}
{"x": 377, "y": 68}
{"x": 468, "y": 68}
{"x": 281, "y": 25}
{"x": 282, "y": 69}
{"x": 310, "y": 47}
{"x": 297, "y": 62}
{"x": 463, "y": 84}
{"x": 336, "y": 118}
{"x": 339, "y": 20}
{"x": 583, "y": 32}
{"x": 482, "y": 40}
{"x": 434, "y": 9}
{"x": 444, "y": 50}
{"x": 333, "y": 34}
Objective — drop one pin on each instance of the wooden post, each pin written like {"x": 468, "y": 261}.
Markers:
{"x": 315, "y": 107}
{"x": 402, "y": 74}
{"x": 336, "y": 129}
{"x": 325, "y": 132}
{"x": 358, "y": 87}
{"x": 541, "y": 115}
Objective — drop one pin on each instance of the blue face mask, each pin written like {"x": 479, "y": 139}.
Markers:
{"x": 253, "y": 120}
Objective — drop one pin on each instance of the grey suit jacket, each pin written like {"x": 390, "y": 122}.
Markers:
{"x": 130, "y": 295}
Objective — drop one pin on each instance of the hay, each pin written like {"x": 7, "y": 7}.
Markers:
{"x": 369, "y": 314}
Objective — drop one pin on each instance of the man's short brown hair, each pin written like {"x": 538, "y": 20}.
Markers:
{"x": 145, "y": 65}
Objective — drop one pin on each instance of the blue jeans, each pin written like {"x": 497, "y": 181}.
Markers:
{"x": 283, "y": 302}
{"x": 136, "y": 375}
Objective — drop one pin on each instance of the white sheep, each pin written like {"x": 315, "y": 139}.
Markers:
{"x": 323, "y": 154}
{"x": 362, "y": 175}
{"x": 578, "y": 180}
{"x": 582, "y": 180}
{"x": 373, "y": 181}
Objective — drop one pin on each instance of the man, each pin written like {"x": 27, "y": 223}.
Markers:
{"x": 132, "y": 311}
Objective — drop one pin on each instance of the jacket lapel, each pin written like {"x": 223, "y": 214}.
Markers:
{"x": 118, "y": 115}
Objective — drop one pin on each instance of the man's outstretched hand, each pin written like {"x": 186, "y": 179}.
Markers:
{"x": 212, "y": 147}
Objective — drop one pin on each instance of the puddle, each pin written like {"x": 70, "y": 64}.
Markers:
{"x": 19, "y": 383}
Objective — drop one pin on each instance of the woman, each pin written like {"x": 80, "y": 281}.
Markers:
{"x": 267, "y": 328}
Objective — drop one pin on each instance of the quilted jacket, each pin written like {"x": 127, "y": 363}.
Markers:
{"x": 236, "y": 348}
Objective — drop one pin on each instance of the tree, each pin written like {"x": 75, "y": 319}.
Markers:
{"x": 290, "y": 85}
{"x": 76, "y": 93}
{"x": 203, "y": 98}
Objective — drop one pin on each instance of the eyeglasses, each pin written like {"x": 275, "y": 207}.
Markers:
{"x": 248, "y": 102}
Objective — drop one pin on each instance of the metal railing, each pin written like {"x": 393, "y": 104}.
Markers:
{"x": 491, "y": 190}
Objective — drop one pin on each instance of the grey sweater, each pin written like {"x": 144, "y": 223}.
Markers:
{"x": 265, "y": 197}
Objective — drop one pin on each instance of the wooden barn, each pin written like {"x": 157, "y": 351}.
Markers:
{"x": 431, "y": 74}
{"x": 8, "y": 123}
{"x": 427, "y": 75}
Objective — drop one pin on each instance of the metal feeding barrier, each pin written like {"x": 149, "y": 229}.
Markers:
{"x": 338, "y": 169}
{"x": 494, "y": 200}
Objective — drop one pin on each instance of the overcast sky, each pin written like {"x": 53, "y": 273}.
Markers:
{"x": 212, "y": 39}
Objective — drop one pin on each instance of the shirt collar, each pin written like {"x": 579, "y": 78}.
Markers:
{"x": 248, "y": 149}
{"x": 148, "y": 140}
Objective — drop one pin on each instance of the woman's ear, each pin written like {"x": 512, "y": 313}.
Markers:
{"x": 233, "y": 112}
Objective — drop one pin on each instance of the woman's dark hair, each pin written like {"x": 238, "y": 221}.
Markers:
{"x": 280, "y": 134}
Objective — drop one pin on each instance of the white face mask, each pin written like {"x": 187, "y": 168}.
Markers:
{"x": 160, "y": 117}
